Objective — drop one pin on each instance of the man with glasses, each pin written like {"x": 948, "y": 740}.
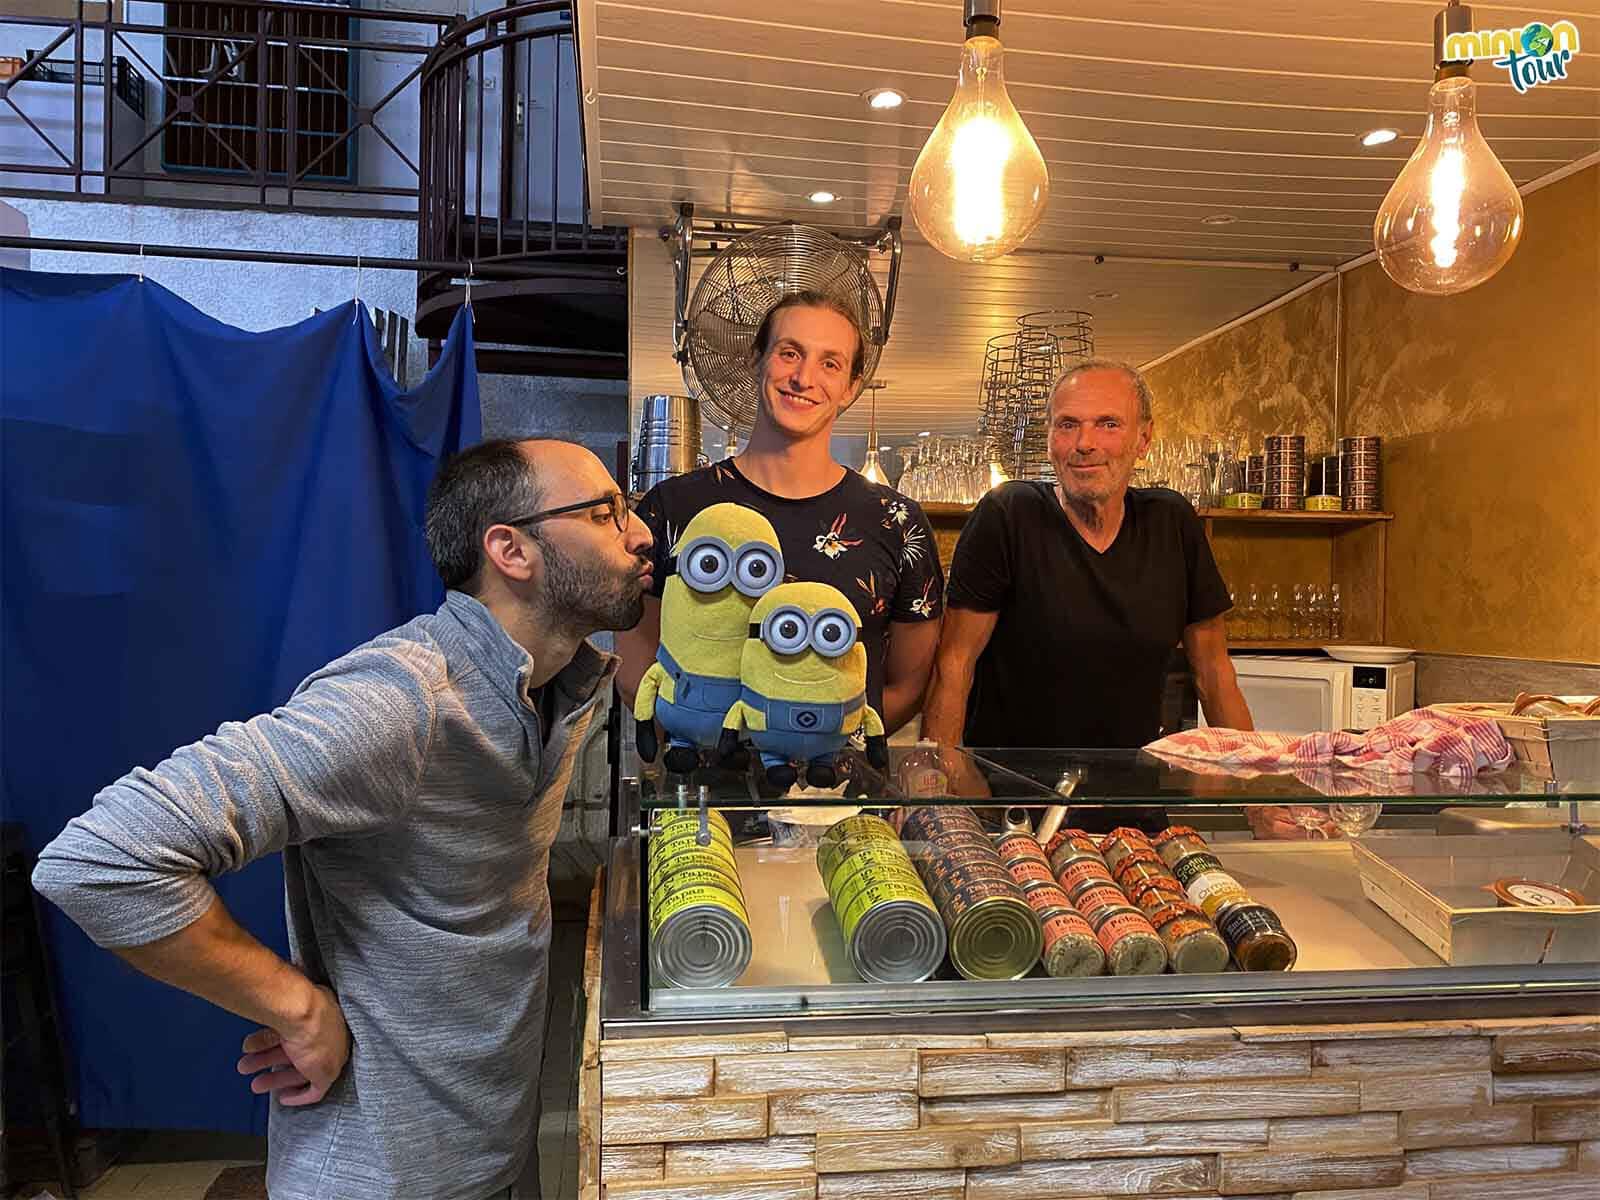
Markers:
{"x": 415, "y": 787}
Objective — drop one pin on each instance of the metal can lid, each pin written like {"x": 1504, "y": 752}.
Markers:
{"x": 1519, "y": 892}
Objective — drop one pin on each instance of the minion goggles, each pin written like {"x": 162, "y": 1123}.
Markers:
{"x": 829, "y": 631}
{"x": 709, "y": 564}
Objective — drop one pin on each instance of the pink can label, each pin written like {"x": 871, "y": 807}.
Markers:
{"x": 1119, "y": 926}
{"x": 1074, "y": 873}
{"x": 1062, "y": 925}
{"x": 1026, "y": 870}
{"x": 1020, "y": 845}
{"x": 1045, "y": 897}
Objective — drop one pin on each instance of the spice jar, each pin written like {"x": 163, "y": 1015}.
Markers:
{"x": 1257, "y": 938}
{"x": 1131, "y": 944}
{"x": 1194, "y": 947}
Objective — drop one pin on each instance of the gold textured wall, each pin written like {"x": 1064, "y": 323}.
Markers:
{"x": 1273, "y": 374}
{"x": 1489, "y": 406}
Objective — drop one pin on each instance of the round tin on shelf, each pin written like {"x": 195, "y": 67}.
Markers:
{"x": 1516, "y": 891}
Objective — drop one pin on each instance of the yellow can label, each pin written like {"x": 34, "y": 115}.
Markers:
{"x": 680, "y": 849}
{"x": 688, "y": 825}
{"x": 684, "y": 842}
{"x": 671, "y": 905}
{"x": 884, "y": 858}
{"x": 1213, "y": 889}
{"x": 851, "y": 912}
{"x": 690, "y": 817}
{"x": 696, "y": 877}
{"x": 844, "y": 890}
{"x": 831, "y": 852}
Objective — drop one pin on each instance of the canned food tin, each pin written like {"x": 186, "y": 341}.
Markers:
{"x": 1016, "y": 846}
{"x": 853, "y": 833}
{"x": 1183, "y": 836}
{"x": 695, "y": 877}
{"x": 689, "y": 858}
{"x": 846, "y": 883}
{"x": 940, "y": 858}
{"x": 1075, "y": 872}
{"x": 1323, "y": 503}
{"x": 996, "y": 937}
{"x": 1215, "y": 890}
{"x": 1046, "y": 897}
{"x": 1194, "y": 947}
{"x": 1257, "y": 938}
{"x": 872, "y": 852}
{"x": 681, "y": 836}
{"x": 1194, "y": 863}
{"x": 705, "y": 944}
{"x": 1118, "y": 846}
{"x": 1153, "y": 893}
{"x": 1077, "y": 838}
{"x": 1131, "y": 944}
{"x": 1093, "y": 896}
{"x": 1140, "y": 865}
{"x": 925, "y": 824}
{"x": 1028, "y": 870}
{"x": 942, "y": 875}
{"x": 1071, "y": 949}
{"x": 953, "y": 902}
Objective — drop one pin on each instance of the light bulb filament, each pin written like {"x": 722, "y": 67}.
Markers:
{"x": 1445, "y": 188}
{"x": 978, "y": 157}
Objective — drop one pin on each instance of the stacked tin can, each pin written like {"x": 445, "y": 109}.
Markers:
{"x": 1130, "y": 942}
{"x": 1254, "y": 933}
{"x": 892, "y": 931}
{"x": 1359, "y": 477}
{"x": 699, "y": 926}
{"x": 1255, "y": 473}
{"x": 1193, "y": 944}
{"x": 992, "y": 931}
{"x": 1070, "y": 946}
{"x": 1284, "y": 485}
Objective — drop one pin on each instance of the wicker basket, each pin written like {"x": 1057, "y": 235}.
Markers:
{"x": 1563, "y": 749}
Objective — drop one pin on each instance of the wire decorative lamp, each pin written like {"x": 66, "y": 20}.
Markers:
{"x": 1019, "y": 369}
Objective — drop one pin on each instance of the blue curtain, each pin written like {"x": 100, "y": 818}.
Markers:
{"x": 194, "y": 519}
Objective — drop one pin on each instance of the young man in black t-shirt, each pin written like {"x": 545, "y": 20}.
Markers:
{"x": 1066, "y": 600}
{"x": 835, "y": 527}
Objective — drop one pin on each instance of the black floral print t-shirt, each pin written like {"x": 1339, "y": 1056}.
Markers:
{"x": 866, "y": 539}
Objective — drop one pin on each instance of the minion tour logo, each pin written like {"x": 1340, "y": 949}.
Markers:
{"x": 1531, "y": 55}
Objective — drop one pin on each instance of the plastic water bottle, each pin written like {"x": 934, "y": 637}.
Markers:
{"x": 922, "y": 773}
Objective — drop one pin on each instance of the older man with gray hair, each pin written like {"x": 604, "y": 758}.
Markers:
{"x": 1066, "y": 600}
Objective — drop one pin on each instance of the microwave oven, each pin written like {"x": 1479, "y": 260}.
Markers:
{"x": 1290, "y": 693}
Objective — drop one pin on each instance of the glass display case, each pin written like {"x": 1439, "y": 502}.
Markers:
{"x": 1347, "y": 891}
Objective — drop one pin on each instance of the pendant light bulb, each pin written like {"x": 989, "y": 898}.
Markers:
{"x": 1453, "y": 216}
{"x": 980, "y": 185}
{"x": 871, "y": 469}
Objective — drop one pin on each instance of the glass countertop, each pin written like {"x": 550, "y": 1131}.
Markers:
{"x": 1032, "y": 777}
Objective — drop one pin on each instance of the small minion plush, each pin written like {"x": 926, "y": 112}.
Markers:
{"x": 804, "y": 677}
{"x": 726, "y": 559}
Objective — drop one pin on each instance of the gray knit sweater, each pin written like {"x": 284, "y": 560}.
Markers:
{"x": 415, "y": 797}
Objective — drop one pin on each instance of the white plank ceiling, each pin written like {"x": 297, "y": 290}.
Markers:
{"x": 1150, "y": 113}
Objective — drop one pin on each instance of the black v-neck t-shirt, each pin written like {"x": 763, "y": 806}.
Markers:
{"x": 1080, "y": 651}
{"x": 867, "y": 540}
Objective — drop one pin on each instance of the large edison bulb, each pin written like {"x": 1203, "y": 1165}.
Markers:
{"x": 980, "y": 185}
{"x": 872, "y": 469}
{"x": 1453, "y": 217}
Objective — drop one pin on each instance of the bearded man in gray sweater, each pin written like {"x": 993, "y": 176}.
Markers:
{"x": 414, "y": 787}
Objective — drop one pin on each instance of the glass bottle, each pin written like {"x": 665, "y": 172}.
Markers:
{"x": 1335, "y": 615}
{"x": 1250, "y": 620}
{"x": 1297, "y": 613}
{"x": 1277, "y": 615}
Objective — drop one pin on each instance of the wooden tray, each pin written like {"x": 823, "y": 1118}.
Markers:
{"x": 1565, "y": 749}
{"x": 1434, "y": 887}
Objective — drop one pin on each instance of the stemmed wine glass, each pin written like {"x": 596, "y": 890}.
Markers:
{"x": 1354, "y": 819}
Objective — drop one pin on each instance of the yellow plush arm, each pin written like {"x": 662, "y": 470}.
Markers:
{"x": 872, "y": 721}
{"x": 735, "y": 720}
{"x": 644, "y": 703}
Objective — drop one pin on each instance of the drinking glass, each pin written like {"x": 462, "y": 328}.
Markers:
{"x": 1354, "y": 819}
{"x": 1311, "y": 819}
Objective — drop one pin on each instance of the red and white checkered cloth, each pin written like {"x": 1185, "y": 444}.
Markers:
{"x": 1425, "y": 740}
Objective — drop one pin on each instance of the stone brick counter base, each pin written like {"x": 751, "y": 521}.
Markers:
{"x": 1454, "y": 1110}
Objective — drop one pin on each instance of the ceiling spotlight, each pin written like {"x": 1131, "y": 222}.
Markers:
{"x": 884, "y": 98}
{"x": 1103, "y": 295}
{"x": 822, "y": 197}
{"x": 1218, "y": 219}
{"x": 925, "y": 433}
{"x": 1379, "y": 137}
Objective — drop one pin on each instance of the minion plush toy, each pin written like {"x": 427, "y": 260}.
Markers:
{"x": 726, "y": 559}
{"x": 804, "y": 677}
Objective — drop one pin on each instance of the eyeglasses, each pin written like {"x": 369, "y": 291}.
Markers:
{"x": 615, "y": 501}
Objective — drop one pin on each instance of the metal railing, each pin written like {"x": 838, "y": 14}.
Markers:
{"x": 256, "y": 62}
{"x": 483, "y": 200}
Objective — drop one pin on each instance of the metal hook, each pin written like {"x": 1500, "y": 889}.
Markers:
{"x": 469, "y": 283}
{"x": 356, "y": 315}
{"x": 141, "y": 262}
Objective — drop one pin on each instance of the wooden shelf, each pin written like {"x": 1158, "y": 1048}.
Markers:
{"x": 1290, "y": 516}
{"x": 945, "y": 508}
{"x": 1280, "y": 644}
